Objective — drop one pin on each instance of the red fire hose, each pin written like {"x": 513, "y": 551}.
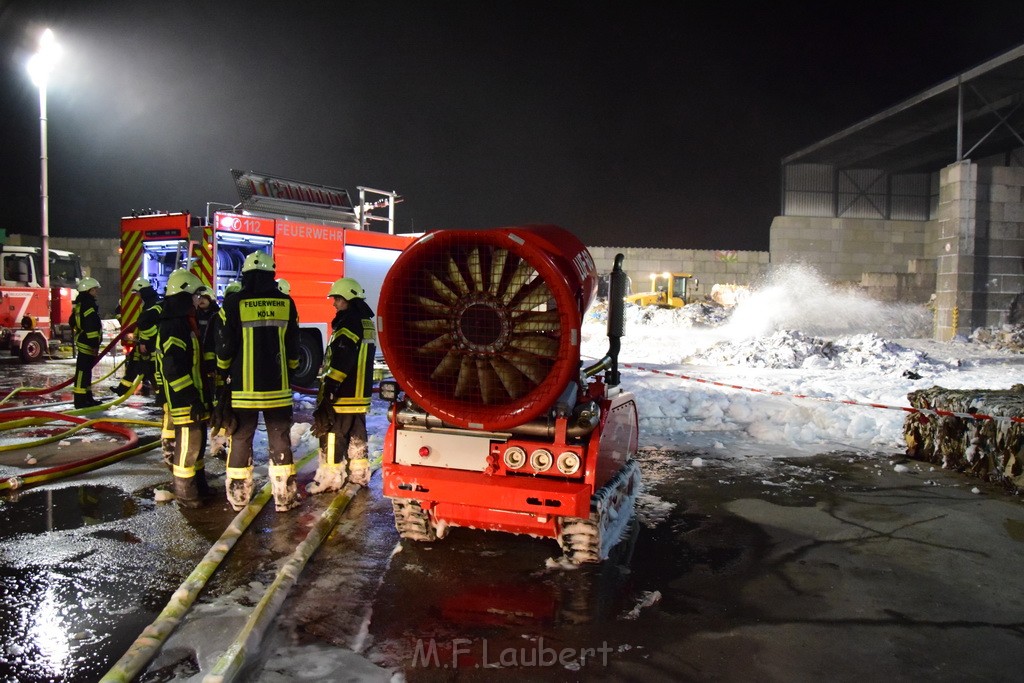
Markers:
{"x": 48, "y": 390}
{"x": 123, "y": 451}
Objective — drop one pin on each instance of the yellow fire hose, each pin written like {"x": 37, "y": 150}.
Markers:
{"x": 251, "y": 635}
{"x": 38, "y": 390}
{"x": 153, "y": 636}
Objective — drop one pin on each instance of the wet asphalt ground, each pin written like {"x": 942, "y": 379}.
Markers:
{"x": 837, "y": 567}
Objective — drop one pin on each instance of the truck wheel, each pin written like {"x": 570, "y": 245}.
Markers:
{"x": 33, "y": 348}
{"x": 311, "y": 355}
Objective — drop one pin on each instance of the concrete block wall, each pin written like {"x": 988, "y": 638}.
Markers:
{"x": 843, "y": 249}
{"x": 707, "y": 265}
{"x": 979, "y": 246}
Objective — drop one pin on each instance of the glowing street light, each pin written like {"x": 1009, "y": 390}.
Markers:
{"x": 40, "y": 65}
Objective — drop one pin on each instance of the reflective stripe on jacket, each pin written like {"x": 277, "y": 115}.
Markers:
{"x": 178, "y": 356}
{"x": 86, "y": 323}
{"x": 349, "y": 359}
{"x": 258, "y": 345}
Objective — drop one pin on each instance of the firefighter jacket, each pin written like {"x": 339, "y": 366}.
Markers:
{"x": 149, "y": 319}
{"x": 347, "y": 372}
{"x": 208, "y": 320}
{"x": 85, "y": 321}
{"x": 258, "y": 345}
{"x": 178, "y": 357}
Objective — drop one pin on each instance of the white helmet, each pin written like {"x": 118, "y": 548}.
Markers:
{"x": 182, "y": 280}
{"x": 140, "y": 284}
{"x": 232, "y": 287}
{"x": 87, "y": 283}
{"x": 284, "y": 286}
{"x": 257, "y": 260}
{"x": 347, "y": 288}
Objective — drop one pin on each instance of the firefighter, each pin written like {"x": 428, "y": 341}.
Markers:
{"x": 88, "y": 332}
{"x": 257, "y": 350}
{"x": 207, "y": 313}
{"x": 346, "y": 382}
{"x": 179, "y": 357}
{"x": 140, "y": 361}
{"x": 208, "y": 319}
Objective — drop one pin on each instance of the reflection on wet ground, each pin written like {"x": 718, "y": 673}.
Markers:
{"x": 56, "y": 509}
{"x": 705, "y": 568}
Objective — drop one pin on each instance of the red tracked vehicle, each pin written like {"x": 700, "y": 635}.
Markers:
{"x": 495, "y": 423}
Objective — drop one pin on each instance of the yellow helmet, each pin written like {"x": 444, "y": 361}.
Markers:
{"x": 257, "y": 260}
{"x": 232, "y": 287}
{"x": 284, "y": 286}
{"x": 140, "y": 284}
{"x": 182, "y": 280}
{"x": 347, "y": 288}
{"x": 87, "y": 283}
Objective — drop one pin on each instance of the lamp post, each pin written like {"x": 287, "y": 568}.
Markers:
{"x": 39, "y": 67}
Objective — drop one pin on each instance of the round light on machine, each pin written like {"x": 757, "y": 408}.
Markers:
{"x": 515, "y": 457}
{"x": 424, "y": 451}
{"x": 541, "y": 459}
{"x": 568, "y": 463}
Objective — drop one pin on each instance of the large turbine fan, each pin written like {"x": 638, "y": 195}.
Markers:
{"x": 481, "y": 328}
{"x": 483, "y": 325}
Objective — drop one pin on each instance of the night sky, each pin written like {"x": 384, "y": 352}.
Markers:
{"x": 630, "y": 124}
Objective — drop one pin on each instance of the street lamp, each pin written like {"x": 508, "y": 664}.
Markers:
{"x": 39, "y": 67}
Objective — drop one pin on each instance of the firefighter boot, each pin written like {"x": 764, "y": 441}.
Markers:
{"x": 85, "y": 400}
{"x": 186, "y": 491}
{"x": 286, "y": 495}
{"x": 328, "y": 477}
{"x": 239, "y": 491}
{"x": 202, "y": 486}
{"x": 359, "y": 471}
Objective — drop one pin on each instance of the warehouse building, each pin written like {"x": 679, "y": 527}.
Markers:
{"x": 923, "y": 201}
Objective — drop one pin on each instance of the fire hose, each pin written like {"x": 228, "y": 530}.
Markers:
{"x": 153, "y": 636}
{"x": 28, "y": 422}
{"x": 32, "y": 391}
{"x": 251, "y": 634}
{"x": 126, "y": 450}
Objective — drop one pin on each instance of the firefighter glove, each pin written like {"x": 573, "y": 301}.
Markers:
{"x": 323, "y": 418}
{"x": 223, "y": 416}
{"x": 190, "y": 397}
{"x": 329, "y": 390}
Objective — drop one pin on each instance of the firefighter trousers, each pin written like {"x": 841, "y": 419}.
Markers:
{"x": 187, "y": 463}
{"x": 347, "y": 439}
{"x": 279, "y": 440}
{"x": 137, "y": 364}
{"x": 83, "y": 372}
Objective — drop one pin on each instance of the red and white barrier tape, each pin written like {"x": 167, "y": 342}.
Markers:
{"x": 907, "y": 409}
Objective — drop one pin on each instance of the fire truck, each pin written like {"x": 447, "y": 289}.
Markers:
{"x": 315, "y": 233}
{"x": 32, "y": 319}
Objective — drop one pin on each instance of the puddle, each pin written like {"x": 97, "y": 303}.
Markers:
{"x": 66, "y": 508}
{"x": 1014, "y": 529}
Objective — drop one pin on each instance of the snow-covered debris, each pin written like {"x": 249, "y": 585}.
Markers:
{"x": 1003, "y": 337}
{"x": 697, "y": 314}
{"x": 788, "y": 349}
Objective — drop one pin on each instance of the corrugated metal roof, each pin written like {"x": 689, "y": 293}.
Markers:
{"x": 920, "y": 134}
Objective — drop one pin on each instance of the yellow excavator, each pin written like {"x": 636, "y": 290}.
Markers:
{"x": 668, "y": 290}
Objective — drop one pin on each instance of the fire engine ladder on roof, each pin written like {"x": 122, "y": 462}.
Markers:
{"x": 385, "y": 198}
